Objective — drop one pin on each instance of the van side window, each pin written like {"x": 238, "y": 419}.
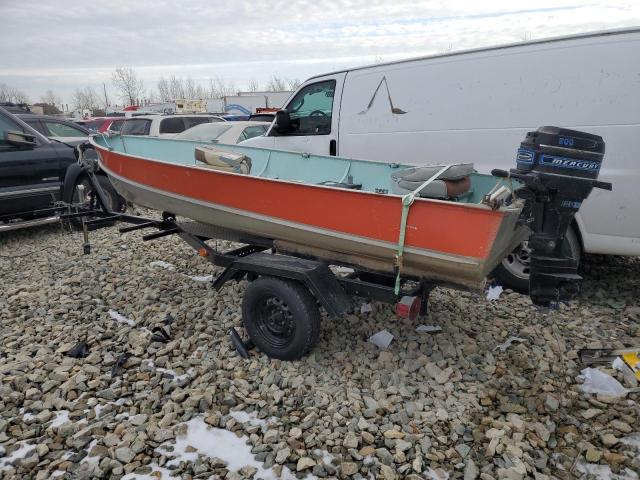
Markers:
{"x": 310, "y": 110}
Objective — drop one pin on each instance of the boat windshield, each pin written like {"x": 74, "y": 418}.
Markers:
{"x": 206, "y": 132}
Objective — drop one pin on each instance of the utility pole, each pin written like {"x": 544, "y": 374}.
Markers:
{"x": 106, "y": 99}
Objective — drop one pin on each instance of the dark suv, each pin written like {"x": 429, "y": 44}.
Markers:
{"x": 36, "y": 172}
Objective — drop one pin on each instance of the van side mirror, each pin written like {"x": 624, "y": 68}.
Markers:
{"x": 20, "y": 139}
{"x": 282, "y": 122}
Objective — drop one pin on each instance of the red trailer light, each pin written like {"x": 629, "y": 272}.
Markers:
{"x": 409, "y": 307}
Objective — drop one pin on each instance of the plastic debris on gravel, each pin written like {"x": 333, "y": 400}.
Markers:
{"x": 121, "y": 318}
{"x": 382, "y": 339}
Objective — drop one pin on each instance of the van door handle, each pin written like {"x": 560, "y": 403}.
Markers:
{"x": 332, "y": 148}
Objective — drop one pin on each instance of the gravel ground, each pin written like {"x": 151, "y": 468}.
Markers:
{"x": 434, "y": 405}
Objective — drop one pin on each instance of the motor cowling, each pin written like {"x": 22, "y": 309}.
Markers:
{"x": 557, "y": 169}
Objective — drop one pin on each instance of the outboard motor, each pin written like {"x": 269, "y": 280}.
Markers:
{"x": 557, "y": 169}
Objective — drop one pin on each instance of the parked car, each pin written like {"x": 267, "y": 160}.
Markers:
{"x": 12, "y": 107}
{"x": 55, "y": 128}
{"x": 164, "y": 125}
{"x": 102, "y": 124}
{"x": 474, "y": 106}
{"x": 227, "y": 132}
{"x": 36, "y": 172}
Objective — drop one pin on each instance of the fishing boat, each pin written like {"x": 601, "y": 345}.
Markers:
{"x": 338, "y": 208}
{"x": 439, "y": 223}
{"x": 393, "y": 224}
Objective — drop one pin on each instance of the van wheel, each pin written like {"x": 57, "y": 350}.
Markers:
{"x": 82, "y": 191}
{"x": 281, "y": 317}
{"x": 513, "y": 272}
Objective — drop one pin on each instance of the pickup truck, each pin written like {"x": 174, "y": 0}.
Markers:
{"x": 36, "y": 172}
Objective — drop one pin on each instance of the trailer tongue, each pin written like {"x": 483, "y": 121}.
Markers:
{"x": 557, "y": 168}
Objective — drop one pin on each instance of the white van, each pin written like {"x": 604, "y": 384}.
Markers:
{"x": 476, "y": 106}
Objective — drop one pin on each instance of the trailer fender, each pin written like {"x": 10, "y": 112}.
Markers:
{"x": 74, "y": 171}
{"x": 315, "y": 276}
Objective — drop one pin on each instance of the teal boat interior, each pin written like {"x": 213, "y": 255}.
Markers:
{"x": 460, "y": 183}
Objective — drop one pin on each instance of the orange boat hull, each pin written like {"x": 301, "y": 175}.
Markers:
{"x": 448, "y": 242}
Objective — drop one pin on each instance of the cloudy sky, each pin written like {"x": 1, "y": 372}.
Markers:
{"x": 65, "y": 44}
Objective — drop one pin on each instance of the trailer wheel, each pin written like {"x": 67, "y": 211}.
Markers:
{"x": 281, "y": 317}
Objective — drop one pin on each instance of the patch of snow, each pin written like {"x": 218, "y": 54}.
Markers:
{"x": 21, "y": 452}
{"x": 243, "y": 417}
{"x": 508, "y": 342}
{"x": 633, "y": 440}
{"x": 428, "y": 328}
{"x": 217, "y": 442}
{"x": 120, "y": 318}
{"x": 98, "y": 408}
{"x": 382, "y": 339}
{"x": 165, "y": 473}
{"x": 162, "y": 264}
{"x": 201, "y": 278}
{"x": 175, "y": 375}
{"x": 603, "y": 472}
{"x": 325, "y": 456}
{"x": 62, "y": 416}
{"x": 28, "y": 416}
{"x": 93, "y": 461}
{"x": 437, "y": 474}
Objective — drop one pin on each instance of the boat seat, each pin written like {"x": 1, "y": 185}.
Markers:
{"x": 454, "y": 182}
{"x": 216, "y": 159}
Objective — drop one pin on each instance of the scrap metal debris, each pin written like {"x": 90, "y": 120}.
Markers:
{"x": 79, "y": 350}
{"x": 159, "y": 334}
{"x": 503, "y": 347}
{"x": 120, "y": 361}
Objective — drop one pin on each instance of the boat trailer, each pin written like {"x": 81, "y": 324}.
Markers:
{"x": 556, "y": 170}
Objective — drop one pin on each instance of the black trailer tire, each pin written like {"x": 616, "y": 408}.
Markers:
{"x": 116, "y": 203}
{"x": 513, "y": 271}
{"x": 281, "y": 317}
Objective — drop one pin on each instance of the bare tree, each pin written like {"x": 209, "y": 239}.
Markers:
{"x": 12, "y": 94}
{"x": 219, "y": 88}
{"x": 164, "y": 90}
{"x": 176, "y": 88}
{"x": 254, "y": 86}
{"x": 190, "y": 88}
{"x": 50, "y": 98}
{"x": 85, "y": 99}
{"x": 293, "y": 83}
{"x": 201, "y": 92}
{"x": 127, "y": 82}
{"x": 275, "y": 84}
